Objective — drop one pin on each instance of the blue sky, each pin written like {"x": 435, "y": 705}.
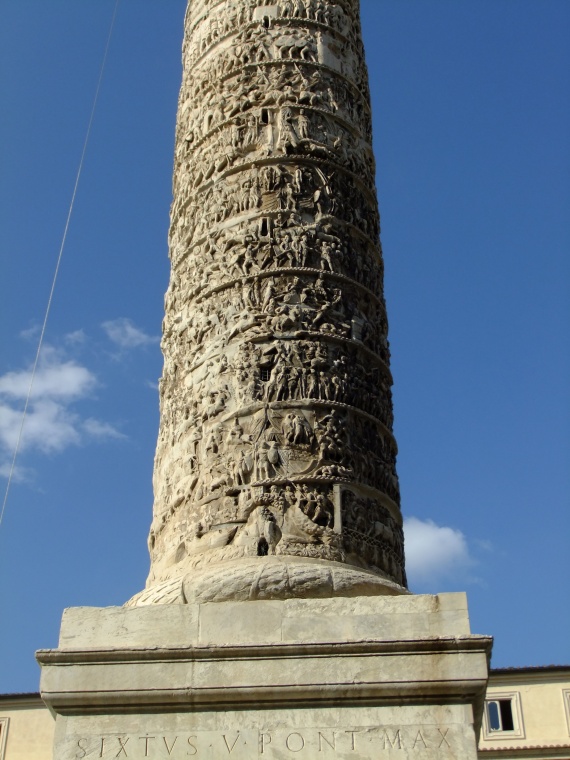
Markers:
{"x": 471, "y": 105}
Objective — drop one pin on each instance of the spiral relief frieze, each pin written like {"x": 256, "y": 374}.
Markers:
{"x": 275, "y": 442}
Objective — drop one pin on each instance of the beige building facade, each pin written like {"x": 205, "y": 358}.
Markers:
{"x": 26, "y": 728}
{"x": 527, "y": 715}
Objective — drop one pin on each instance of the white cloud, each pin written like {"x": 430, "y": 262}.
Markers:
{"x": 124, "y": 333}
{"x": 51, "y": 424}
{"x": 434, "y": 553}
{"x": 49, "y": 427}
{"x": 75, "y": 338}
{"x": 19, "y": 474}
{"x": 99, "y": 429}
{"x": 54, "y": 378}
{"x": 31, "y": 333}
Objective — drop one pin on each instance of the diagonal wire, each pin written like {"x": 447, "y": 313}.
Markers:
{"x": 58, "y": 263}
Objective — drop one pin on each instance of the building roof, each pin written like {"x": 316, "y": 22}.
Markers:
{"x": 529, "y": 669}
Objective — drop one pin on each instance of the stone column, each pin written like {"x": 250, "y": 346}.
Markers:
{"x": 274, "y": 474}
{"x": 275, "y": 466}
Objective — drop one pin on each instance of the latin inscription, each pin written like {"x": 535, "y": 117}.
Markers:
{"x": 364, "y": 742}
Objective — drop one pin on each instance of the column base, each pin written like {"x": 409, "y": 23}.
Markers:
{"x": 361, "y": 678}
{"x": 254, "y": 578}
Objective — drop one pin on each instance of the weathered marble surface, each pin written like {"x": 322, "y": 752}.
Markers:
{"x": 276, "y": 413}
{"x": 360, "y": 678}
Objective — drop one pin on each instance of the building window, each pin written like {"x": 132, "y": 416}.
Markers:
{"x": 500, "y": 713}
{"x": 3, "y": 736}
{"x": 503, "y": 716}
{"x": 265, "y": 374}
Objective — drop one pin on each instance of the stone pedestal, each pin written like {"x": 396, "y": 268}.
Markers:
{"x": 360, "y": 678}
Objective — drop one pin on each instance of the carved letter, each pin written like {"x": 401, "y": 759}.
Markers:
{"x": 83, "y": 749}
{"x": 419, "y": 738}
{"x": 262, "y": 740}
{"x": 323, "y": 738}
{"x": 396, "y": 743}
{"x": 192, "y": 746}
{"x": 352, "y": 735}
{"x": 291, "y": 748}
{"x": 123, "y": 745}
{"x": 443, "y": 737}
{"x": 146, "y": 740}
{"x": 230, "y": 749}
{"x": 169, "y": 749}
{"x": 102, "y": 747}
